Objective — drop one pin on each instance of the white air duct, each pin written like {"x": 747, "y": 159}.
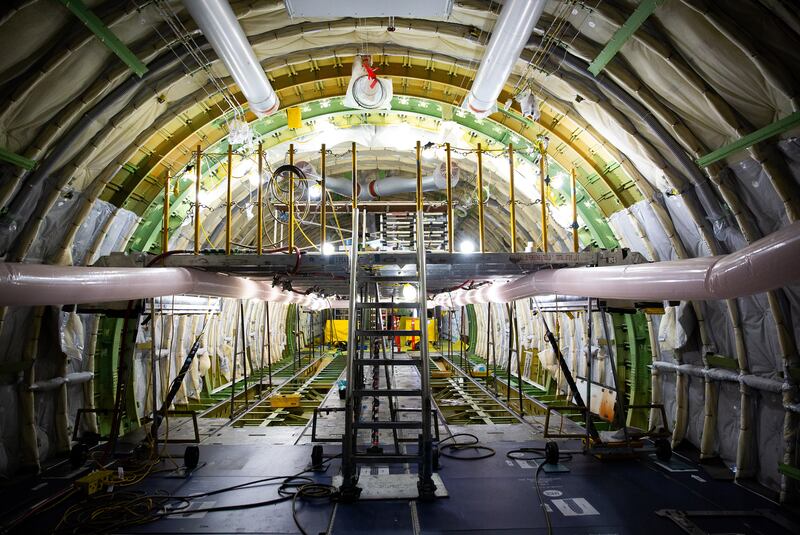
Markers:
{"x": 39, "y": 284}
{"x": 366, "y": 91}
{"x": 765, "y": 265}
{"x": 511, "y": 32}
{"x": 384, "y": 187}
{"x": 216, "y": 20}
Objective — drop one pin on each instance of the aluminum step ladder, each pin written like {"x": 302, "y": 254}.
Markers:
{"x": 367, "y": 358}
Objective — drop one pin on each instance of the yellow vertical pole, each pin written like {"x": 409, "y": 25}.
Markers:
{"x": 197, "y": 176}
{"x": 323, "y": 214}
{"x": 512, "y": 198}
{"x": 355, "y": 184}
{"x": 575, "y": 244}
{"x": 260, "y": 215}
{"x": 480, "y": 198}
{"x": 450, "y": 229}
{"x": 229, "y": 203}
{"x": 165, "y": 222}
{"x": 542, "y": 175}
{"x": 291, "y": 200}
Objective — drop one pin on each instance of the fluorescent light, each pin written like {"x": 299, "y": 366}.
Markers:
{"x": 466, "y": 246}
{"x": 557, "y": 181}
{"x": 328, "y": 248}
{"x": 409, "y": 292}
{"x": 315, "y": 192}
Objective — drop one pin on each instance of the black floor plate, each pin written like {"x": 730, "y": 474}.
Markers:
{"x": 494, "y": 495}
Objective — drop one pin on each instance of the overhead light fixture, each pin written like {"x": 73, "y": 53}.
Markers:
{"x": 328, "y": 248}
{"x": 315, "y": 192}
{"x": 557, "y": 181}
{"x": 409, "y": 292}
{"x": 466, "y": 246}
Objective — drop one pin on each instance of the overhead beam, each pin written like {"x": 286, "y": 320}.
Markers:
{"x": 637, "y": 18}
{"x": 778, "y": 127}
{"x": 15, "y": 159}
{"x": 106, "y": 36}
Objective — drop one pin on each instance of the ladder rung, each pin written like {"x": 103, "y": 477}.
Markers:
{"x": 388, "y": 305}
{"x": 387, "y": 332}
{"x": 390, "y": 278}
{"x": 386, "y": 392}
{"x": 388, "y": 362}
{"x": 388, "y": 425}
{"x": 367, "y": 458}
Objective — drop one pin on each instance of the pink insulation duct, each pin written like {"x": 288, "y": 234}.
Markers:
{"x": 38, "y": 284}
{"x": 767, "y": 264}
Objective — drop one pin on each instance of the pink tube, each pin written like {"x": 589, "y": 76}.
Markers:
{"x": 39, "y": 284}
{"x": 769, "y": 263}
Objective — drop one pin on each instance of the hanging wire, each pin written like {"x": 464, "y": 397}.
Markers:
{"x": 183, "y": 36}
{"x": 483, "y": 37}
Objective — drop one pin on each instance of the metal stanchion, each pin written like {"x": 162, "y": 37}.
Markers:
{"x": 512, "y": 197}
{"x": 229, "y": 203}
{"x": 197, "y": 177}
{"x": 165, "y": 222}
{"x": 480, "y": 199}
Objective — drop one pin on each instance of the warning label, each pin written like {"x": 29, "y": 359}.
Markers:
{"x": 575, "y": 507}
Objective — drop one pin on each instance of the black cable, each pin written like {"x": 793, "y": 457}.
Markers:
{"x": 312, "y": 492}
{"x": 538, "y": 455}
{"x": 110, "y": 511}
{"x": 545, "y": 511}
{"x": 534, "y": 454}
{"x": 359, "y": 102}
{"x": 448, "y": 450}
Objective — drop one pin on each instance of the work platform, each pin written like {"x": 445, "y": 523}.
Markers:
{"x": 444, "y": 270}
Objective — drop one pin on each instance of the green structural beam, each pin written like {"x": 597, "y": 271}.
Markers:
{"x": 778, "y": 127}
{"x": 645, "y": 9}
{"x": 789, "y": 471}
{"x": 105, "y": 35}
{"x": 15, "y": 159}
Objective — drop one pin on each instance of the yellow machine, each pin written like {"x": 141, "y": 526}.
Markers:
{"x": 285, "y": 401}
{"x": 94, "y": 481}
{"x": 408, "y": 323}
{"x": 336, "y": 331}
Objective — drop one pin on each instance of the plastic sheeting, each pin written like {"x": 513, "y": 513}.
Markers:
{"x": 629, "y": 235}
{"x": 51, "y": 235}
{"x": 724, "y": 66}
{"x": 694, "y": 427}
{"x": 768, "y": 424}
{"x": 91, "y": 226}
{"x": 758, "y": 196}
{"x": 728, "y": 421}
{"x": 122, "y": 226}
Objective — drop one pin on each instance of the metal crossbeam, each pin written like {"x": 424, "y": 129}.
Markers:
{"x": 106, "y": 36}
{"x": 637, "y": 18}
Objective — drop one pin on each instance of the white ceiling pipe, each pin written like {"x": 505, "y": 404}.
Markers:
{"x": 769, "y": 263}
{"x": 511, "y": 32}
{"x": 38, "y": 284}
{"x": 216, "y": 20}
{"x": 344, "y": 303}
